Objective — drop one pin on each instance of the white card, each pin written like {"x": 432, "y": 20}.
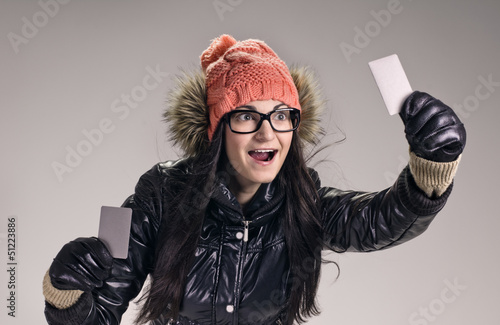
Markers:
{"x": 391, "y": 81}
{"x": 114, "y": 230}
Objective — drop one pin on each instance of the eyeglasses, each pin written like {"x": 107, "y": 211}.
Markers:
{"x": 247, "y": 121}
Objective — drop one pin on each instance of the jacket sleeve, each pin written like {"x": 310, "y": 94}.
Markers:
{"x": 368, "y": 221}
{"x": 105, "y": 305}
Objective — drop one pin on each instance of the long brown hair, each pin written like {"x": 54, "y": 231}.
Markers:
{"x": 182, "y": 223}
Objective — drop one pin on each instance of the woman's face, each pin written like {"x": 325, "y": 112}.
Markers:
{"x": 257, "y": 157}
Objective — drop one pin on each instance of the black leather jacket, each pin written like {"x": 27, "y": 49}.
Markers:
{"x": 240, "y": 275}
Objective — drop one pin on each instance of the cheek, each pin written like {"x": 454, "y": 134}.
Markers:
{"x": 230, "y": 142}
{"x": 286, "y": 142}
{"x": 235, "y": 147}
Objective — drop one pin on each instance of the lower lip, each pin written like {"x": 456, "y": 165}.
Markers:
{"x": 264, "y": 162}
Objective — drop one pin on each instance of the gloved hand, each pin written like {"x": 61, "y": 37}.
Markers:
{"x": 82, "y": 264}
{"x": 432, "y": 129}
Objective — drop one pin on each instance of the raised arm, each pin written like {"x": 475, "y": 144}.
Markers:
{"x": 357, "y": 221}
{"x": 368, "y": 221}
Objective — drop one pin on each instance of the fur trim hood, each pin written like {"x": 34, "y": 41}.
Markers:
{"x": 187, "y": 111}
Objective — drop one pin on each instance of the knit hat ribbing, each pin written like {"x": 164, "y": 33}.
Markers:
{"x": 240, "y": 72}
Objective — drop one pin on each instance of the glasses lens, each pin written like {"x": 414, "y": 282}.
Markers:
{"x": 246, "y": 121}
{"x": 282, "y": 120}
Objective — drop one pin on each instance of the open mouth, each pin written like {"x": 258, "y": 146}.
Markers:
{"x": 262, "y": 154}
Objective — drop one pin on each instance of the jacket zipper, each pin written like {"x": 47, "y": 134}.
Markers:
{"x": 246, "y": 223}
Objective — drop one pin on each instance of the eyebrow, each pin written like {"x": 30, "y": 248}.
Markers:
{"x": 253, "y": 108}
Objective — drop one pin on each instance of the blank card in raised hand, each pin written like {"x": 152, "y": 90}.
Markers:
{"x": 391, "y": 81}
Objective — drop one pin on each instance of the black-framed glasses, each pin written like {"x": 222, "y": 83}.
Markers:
{"x": 247, "y": 121}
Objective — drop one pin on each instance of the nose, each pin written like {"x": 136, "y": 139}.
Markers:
{"x": 265, "y": 132}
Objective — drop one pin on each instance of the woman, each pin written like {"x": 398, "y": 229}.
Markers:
{"x": 233, "y": 233}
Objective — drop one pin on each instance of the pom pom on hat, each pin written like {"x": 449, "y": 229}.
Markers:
{"x": 218, "y": 47}
{"x": 240, "y": 72}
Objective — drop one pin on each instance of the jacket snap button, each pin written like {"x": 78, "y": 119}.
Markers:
{"x": 229, "y": 308}
{"x": 239, "y": 235}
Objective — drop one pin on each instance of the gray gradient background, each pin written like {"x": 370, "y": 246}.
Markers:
{"x": 65, "y": 79}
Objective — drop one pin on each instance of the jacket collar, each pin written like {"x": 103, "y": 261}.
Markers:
{"x": 266, "y": 202}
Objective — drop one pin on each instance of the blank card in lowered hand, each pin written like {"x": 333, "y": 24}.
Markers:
{"x": 114, "y": 230}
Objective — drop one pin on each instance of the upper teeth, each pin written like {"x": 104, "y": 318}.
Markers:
{"x": 263, "y": 150}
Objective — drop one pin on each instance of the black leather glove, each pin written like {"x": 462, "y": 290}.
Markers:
{"x": 432, "y": 129}
{"x": 82, "y": 264}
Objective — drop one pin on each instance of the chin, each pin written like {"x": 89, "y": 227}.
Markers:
{"x": 265, "y": 178}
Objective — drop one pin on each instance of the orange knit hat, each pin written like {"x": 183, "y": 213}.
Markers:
{"x": 240, "y": 72}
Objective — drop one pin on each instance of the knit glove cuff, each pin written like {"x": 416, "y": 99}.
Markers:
{"x": 60, "y": 299}
{"x": 433, "y": 178}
